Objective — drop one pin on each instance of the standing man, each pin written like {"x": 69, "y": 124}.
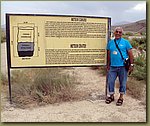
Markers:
{"x": 115, "y": 65}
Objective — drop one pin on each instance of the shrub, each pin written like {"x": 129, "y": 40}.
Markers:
{"x": 42, "y": 86}
{"x": 4, "y": 80}
{"x": 140, "y": 68}
{"x": 125, "y": 37}
{"x": 134, "y": 44}
{"x": 129, "y": 34}
{"x": 3, "y": 36}
{"x": 102, "y": 70}
{"x": 137, "y": 89}
{"x": 142, "y": 40}
{"x": 142, "y": 47}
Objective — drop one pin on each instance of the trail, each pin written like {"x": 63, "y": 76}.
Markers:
{"x": 91, "y": 109}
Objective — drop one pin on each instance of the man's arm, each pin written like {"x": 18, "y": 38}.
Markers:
{"x": 131, "y": 57}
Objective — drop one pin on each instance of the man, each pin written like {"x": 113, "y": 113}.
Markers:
{"x": 115, "y": 65}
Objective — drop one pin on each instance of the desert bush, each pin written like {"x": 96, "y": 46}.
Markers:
{"x": 42, "y": 86}
{"x": 140, "y": 68}
{"x": 125, "y": 36}
{"x": 143, "y": 33}
{"x": 134, "y": 44}
{"x": 139, "y": 73}
{"x": 3, "y": 36}
{"x": 140, "y": 60}
{"x": 142, "y": 40}
{"x": 4, "y": 80}
{"x": 142, "y": 48}
{"x": 129, "y": 33}
{"x": 137, "y": 89}
{"x": 102, "y": 70}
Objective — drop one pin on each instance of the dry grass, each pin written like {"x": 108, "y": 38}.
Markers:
{"x": 137, "y": 89}
{"x": 32, "y": 87}
{"x": 3, "y": 36}
{"x": 4, "y": 90}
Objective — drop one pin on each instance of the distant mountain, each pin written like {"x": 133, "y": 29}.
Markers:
{"x": 122, "y": 23}
{"x": 138, "y": 26}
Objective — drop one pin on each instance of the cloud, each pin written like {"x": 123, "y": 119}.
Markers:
{"x": 139, "y": 7}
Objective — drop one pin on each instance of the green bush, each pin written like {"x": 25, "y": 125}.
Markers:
{"x": 139, "y": 42}
{"x": 142, "y": 40}
{"x": 134, "y": 44}
{"x": 143, "y": 33}
{"x": 140, "y": 67}
{"x": 140, "y": 73}
{"x": 142, "y": 47}
{"x": 125, "y": 36}
{"x": 129, "y": 33}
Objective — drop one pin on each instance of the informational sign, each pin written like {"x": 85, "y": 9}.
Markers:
{"x": 56, "y": 40}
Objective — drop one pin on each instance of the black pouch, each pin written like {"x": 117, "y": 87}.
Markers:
{"x": 127, "y": 63}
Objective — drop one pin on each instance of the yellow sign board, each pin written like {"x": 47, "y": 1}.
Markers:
{"x": 56, "y": 40}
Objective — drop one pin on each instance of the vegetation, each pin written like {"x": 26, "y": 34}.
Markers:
{"x": 125, "y": 36}
{"x": 3, "y": 36}
{"x": 4, "y": 80}
{"x": 42, "y": 86}
{"x": 139, "y": 43}
{"x": 137, "y": 89}
{"x": 129, "y": 34}
{"x": 139, "y": 72}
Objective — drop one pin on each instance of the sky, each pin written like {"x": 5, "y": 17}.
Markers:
{"x": 118, "y": 11}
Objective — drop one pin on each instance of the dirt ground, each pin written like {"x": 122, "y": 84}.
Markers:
{"x": 92, "y": 109}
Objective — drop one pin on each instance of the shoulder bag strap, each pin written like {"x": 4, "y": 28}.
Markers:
{"x": 118, "y": 49}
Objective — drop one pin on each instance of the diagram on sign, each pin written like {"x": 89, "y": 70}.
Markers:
{"x": 25, "y": 40}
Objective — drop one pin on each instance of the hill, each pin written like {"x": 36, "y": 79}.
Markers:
{"x": 138, "y": 26}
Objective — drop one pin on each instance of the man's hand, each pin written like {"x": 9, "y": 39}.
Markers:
{"x": 130, "y": 69}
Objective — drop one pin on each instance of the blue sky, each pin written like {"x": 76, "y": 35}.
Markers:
{"x": 119, "y": 11}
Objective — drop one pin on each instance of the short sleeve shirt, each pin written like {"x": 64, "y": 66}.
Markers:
{"x": 115, "y": 56}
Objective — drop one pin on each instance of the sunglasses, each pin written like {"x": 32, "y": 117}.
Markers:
{"x": 119, "y": 32}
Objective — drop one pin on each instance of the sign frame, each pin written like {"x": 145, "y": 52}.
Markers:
{"x": 8, "y": 38}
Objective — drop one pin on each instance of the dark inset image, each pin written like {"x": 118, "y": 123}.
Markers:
{"x": 25, "y": 49}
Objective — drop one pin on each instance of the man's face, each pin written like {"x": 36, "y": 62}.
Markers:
{"x": 118, "y": 33}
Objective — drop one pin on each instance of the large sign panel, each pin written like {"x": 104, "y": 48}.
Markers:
{"x": 52, "y": 40}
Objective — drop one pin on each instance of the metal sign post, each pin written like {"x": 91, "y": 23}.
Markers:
{"x": 9, "y": 83}
{"x": 8, "y": 57}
